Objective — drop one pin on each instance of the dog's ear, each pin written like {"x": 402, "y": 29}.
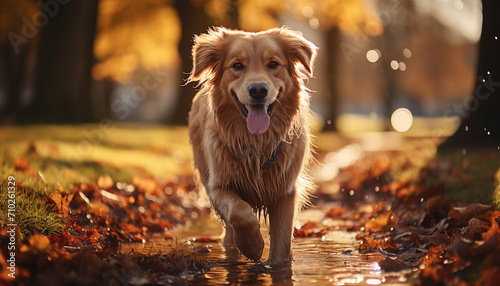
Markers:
{"x": 207, "y": 56}
{"x": 299, "y": 51}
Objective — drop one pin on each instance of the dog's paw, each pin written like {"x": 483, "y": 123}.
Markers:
{"x": 246, "y": 231}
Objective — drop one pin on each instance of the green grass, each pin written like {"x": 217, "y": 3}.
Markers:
{"x": 473, "y": 177}
{"x": 30, "y": 213}
{"x": 157, "y": 150}
{"x": 61, "y": 156}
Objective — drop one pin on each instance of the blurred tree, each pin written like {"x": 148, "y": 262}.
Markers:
{"x": 194, "y": 21}
{"x": 62, "y": 89}
{"x": 480, "y": 114}
{"x": 136, "y": 46}
{"x": 196, "y": 16}
{"x": 397, "y": 25}
{"x": 334, "y": 17}
{"x": 18, "y": 47}
{"x": 132, "y": 35}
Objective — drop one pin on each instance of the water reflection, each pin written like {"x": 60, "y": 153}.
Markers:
{"x": 331, "y": 260}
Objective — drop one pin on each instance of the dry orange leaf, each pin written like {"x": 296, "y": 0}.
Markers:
{"x": 494, "y": 230}
{"x": 336, "y": 212}
{"x": 382, "y": 221}
{"x": 105, "y": 182}
{"x": 22, "y": 164}
{"x": 310, "y": 224}
{"x": 61, "y": 202}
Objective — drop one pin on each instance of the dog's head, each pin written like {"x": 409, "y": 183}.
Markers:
{"x": 253, "y": 72}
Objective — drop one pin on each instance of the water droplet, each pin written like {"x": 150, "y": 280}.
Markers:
{"x": 496, "y": 38}
{"x": 466, "y": 128}
{"x": 488, "y": 133}
{"x": 377, "y": 188}
{"x": 488, "y": 72}
{"x": 484, "y": 128}
{"x": 464, "y": 151}
{"x": 421, "y": 200}
{"x": 351, "y": 193}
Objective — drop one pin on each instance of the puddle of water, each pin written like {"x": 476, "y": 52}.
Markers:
{"x": 328, "y": 260}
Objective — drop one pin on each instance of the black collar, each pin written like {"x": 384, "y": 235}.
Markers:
{"x": 272, "y": 159}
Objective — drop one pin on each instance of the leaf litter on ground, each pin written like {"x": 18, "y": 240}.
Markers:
{"x": 94, "y": 219}
{"x": 406, "y": 219}
{"x": 410, "y": 221}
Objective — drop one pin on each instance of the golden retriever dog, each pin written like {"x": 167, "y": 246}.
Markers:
{"x": 249, "y": 133}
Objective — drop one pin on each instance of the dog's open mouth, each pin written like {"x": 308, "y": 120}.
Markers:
{"x": 257, "y": 115}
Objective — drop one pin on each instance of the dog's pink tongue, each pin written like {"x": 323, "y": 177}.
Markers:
{"x": 257, "y": 119}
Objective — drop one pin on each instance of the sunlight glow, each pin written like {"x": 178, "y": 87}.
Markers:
{"x": 348, "y": 155}
{"x": 342, "y": 158}
{"x": 373, "y": 281}
{"x": 402, "y": 119}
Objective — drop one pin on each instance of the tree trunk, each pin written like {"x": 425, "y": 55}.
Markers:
{"x": 194, "y": 21}
{"x": 64, "y": 64}
{"x": 15, "y": 72}
{"x": 333, "y": 41}
{"x": 480, "y": 115}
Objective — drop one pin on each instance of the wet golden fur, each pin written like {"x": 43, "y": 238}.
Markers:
{"x": 227, "y": 158}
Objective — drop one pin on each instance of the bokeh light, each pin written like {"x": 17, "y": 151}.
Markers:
{"x": 373, "y": 56}
{"x": 402, "y": 119}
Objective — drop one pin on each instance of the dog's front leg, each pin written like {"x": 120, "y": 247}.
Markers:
{"x": 281, "y": 218}
{"x": 241, "y": 222}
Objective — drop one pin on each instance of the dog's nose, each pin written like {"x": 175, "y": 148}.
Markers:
{"x": 258, "y": 90}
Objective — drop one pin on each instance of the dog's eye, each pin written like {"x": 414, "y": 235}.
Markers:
{"x": 273, "y": 65}
{"x": 238, "y": 66}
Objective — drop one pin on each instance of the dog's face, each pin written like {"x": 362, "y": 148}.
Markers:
{"x": 253, "y": 72}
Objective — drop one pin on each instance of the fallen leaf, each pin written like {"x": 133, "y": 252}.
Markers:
{"x": 61, "y": 202}
{"x": 368, "y": 243}
{"x": 308, "y": 233}
{"x": 309, "y": 225}
{"x": 494, "y": 230}
{"x": 105, "y": 182}
{"x": 464, "y": 214}
{"x": 336, "y": 212}
{"x": 381, "y": 222}
{"x": 22, "y": 164}
{"x": 392, "y": 265}
{"x": 489, "y": 277}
